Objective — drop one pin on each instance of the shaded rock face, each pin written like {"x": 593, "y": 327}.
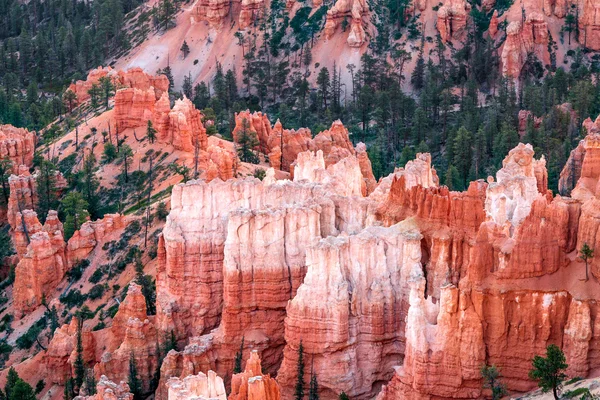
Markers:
{"x": 582, "y": 170}
{"x": 134, "y": 78}
{"x": 452, "y": 19}
{"x": 18, "y": 145}
{"x": 351, "y": 11}
{"x": 252, "y": 383}
{"x": 523, "y": 40}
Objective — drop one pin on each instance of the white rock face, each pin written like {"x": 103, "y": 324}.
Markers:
{"x": 198, "y": 387}
{"x": 509, "y": 199}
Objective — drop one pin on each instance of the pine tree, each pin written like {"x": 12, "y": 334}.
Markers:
{"x": 47, "y": 193}
{"x": 313, "y": 392}
{"x": 107, "y": 88}
{"x": 69, "y": 97}
{"x": 343, "y": 396}
{"x": 247, "y": 141}
{"x": 453, "y": 180}
{"x": 463, "y": 153}
{"x": 490, "y": 376}
{"x": 549, "y": 371}
{"x": 324, "y": 85}
{"x": 75, "y": 208}
{"x": 186, "y": 87}
{"x": 21, "y": 391}
{"x": 134, "y": 382}
{"x": 417, "y": 78}
{"x": 6, "y": 168}
{"x": 238, "y": 359}
{"x": 90, "y": 184}
{"x": 185, "y": 49}
{"x": 69, "y": 392}
{"x": 150, "y": 131}
{"x": 585, "y": 253}
{"x": 79, "y": 364}
{"x": 125, "y": 155}
{"x": 299, "y": 390}
{"x": 90, "y": 382}
{"x": 147, "y": 285}
{"x": 11, "y": 379}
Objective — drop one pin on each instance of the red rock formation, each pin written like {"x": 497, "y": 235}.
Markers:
{"x": 294, "y": 142}
{"x": 184, "y": 127}
{"x": 354, "y": 333}
{"x": 81, "y": 88}
{"x": 90, "y": 234}
{"x": 61, "y": 354}
{"x": 110, "y": 349}
{"x": 138, "y": 79}
{"x": 250, "y": 12}
{"x": 334, "y": 143}
{"x": 252, "y": 384}
{"x": 181, "y": 126}
{"x": 202, "y": 230}
{"x": 521, "y": 41}
{"x": 18, "y": 145}
{"x": 212, "y": 11}
{"x": 23, "y": 196}
{"x": 133, "y": 108}
{"x": 135, "y": 336}
{"x": 471, "y": 327}
{"x": 43, "y": 265}
{"x": 524, "y": 116}
{"x": 200, "y": 386}
{"x": 493, "y": 28}
{"x": 589, "y": 24}
{"x": 352, "y": 11}
{"x": 582, "y": 170}
{"x": 452, "y": 19}
{"x": 108, "y": 390}
{"x": 134, "y": 78}
{"x": 557, "y": 7}
{"x": 256, "y": 124}
{"x": 220, "y": 163}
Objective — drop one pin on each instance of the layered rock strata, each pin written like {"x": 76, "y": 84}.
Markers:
{"x": 351, "y": 11}
{"x": 452, "y": 19}
{"x": 531, "y": 37}
{"x": 18, "y": 145}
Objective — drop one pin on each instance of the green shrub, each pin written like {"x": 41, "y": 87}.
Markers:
{"x": 39, "y": 386}
{"x": 97, "y": 275}
{"x": 99, "y": 325}
{"x": 96, "y": 292}
{"x": 26, "y": 340}
{"x": 112, "y": 311}
{"x": 75, "y": 273}
{"x": 73, "y": 299}
{"x": 85, "y": 313}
